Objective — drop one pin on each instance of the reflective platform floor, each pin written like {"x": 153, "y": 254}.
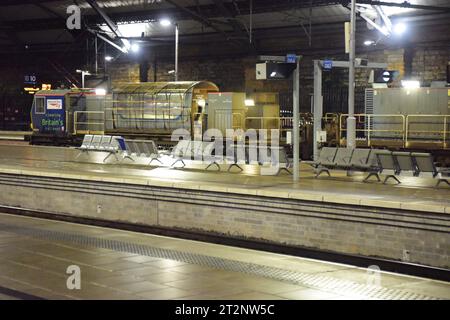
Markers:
{"x": 36, "y": 255}
{"x": 412, "y": 194}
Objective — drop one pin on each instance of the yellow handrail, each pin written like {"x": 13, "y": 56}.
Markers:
{"x": 442, "y": 119}
{"x": 367, "y": 120}
{"x": 76, "y": 123}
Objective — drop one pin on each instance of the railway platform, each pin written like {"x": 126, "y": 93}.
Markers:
{"x": 116, "y": 264}
{"x": 407, "y": 223}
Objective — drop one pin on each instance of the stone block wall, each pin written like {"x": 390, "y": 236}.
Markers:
{"x": 430, "y": 64}
{"x": 350, "y": 229}
{"x": 238, "y": 74}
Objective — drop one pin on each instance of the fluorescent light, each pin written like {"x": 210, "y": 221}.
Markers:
{"x": 369, "y": 42}
{"x": 410, "y": 84}
{"x": 399, "y": 28}
{"x": 249, "y": 102}
{"x": 171, "y": 71}
{"x": 86, "y": 73}
{"x": 130, "y": 30}
{"x": 108, "y": 58}
{"x": 134, "y": 47}
{"x": 273, "y": 74}
{"x": 100, "y": 91}
{"x": 165, "y": 22}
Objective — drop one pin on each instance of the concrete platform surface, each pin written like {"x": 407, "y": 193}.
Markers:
{"x": 413, "y": 194}
{"x": 14, "y": 135}
{"x": 35, "y": 255}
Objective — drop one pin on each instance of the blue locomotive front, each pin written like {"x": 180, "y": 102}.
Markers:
{"x": 52, "y": 115}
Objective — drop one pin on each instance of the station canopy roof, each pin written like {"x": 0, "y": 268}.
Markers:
{"x": 41, "y": 24}
{"x": 152, "y": 88}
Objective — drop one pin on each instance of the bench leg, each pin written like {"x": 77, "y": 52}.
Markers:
{"x": 391, "y": 176}
{"x": 442, "y": 180}
{"x": 127, "y": 157}
{"x": 372, "y": 174}
{"x": 156, "y": 159}
{"x": 179, "y": 160}
{"x": 284, "y": 169}
{"x": 234, "y": 165}
{"x": 213, "y": 163}
{"x": 321, "y": 171}
{"x": 81, "y": 152}
{"x": 109, "y": 155}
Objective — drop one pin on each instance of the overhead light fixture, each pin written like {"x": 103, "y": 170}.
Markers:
{"x": 100, "y": 91}
{"x": 369, "y": 42}
{"x": 165, "y": 22}
{"x": 249, "y": 102}
{"x": 86, "y": 73}
{"x": 171, "y": 71}
{"x": 410, "y": 84}
{"x": 134, "y": 47}
{"x": 108, "y": 58}
{"x": 399, "y": 28}
{"x": 129, "y": 30}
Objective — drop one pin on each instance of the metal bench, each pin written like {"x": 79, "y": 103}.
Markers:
{"x": 145, "y": 148}
{"x": 405, "y": 164}
{"x": 100, "y": 143}
{"x": 388, "y": 165}
{"x": 183, "y": 150}
{"x": 275, "y": 156}
{"x": 87, "y": 141}
{"x": 358, "y": 159}
{"x": 326, "y": 158}
{"x": 341, "y": 160}
{"x": 210, "y": 155}
{"x": 283, "y": 161}
{"x": 232, "y": 151}
{"x": 426, "y": 167}
{"x": 370, "y": 165}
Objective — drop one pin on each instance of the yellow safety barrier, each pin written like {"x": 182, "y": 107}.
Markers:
{"x": 89, "y": 125}
{"x": 365, "y": 123}
{"x": 428, "y": 128}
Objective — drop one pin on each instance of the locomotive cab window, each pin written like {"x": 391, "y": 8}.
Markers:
{"x": 40, "y": 105}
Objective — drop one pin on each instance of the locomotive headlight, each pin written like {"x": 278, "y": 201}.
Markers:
{"x": 249, "y": 102}
{"x": 100, "y": 91}
{"x": 410, "y": 84}
{"x": 201, "y": 103}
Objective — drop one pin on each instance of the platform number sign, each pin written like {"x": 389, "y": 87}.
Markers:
{"x": 327, "y": 65}
{"x": 291, "y": 58}
{"x": 30, "y": 79}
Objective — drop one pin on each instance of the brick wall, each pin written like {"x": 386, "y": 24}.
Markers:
{"x": 430, "y": 64}
{"x": 239, "y": 74}
{"x": 123, "y": 72}
{"x": 350, "y": 229}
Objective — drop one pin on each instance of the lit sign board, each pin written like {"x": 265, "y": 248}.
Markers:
{"x": 328, "y": 65}
{"x": 31, "y": 90}
{"x": 54, "y": 104}
{"x": 30, "y": 79}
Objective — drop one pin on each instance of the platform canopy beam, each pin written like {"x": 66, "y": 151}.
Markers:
{"x": 318, "y": 98}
